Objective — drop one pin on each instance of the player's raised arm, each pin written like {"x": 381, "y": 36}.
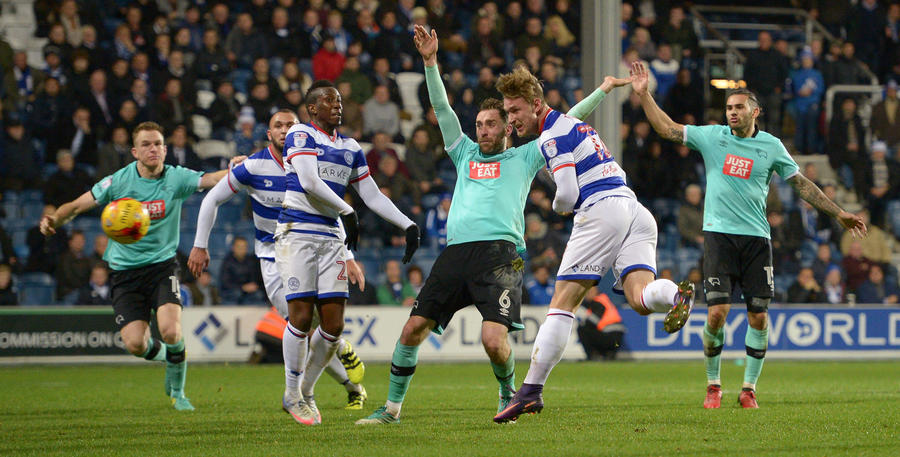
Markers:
{"x": 661, "y": 122}
{"x": 585, "y": 107}
{"x": 66, "y": 212}
{"x": 427, "y": 44}
{"x": 810, "y": 192}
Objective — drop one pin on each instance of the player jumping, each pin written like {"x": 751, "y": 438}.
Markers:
{"x": 611, "y": 232}
{"x": 262, "y": 176}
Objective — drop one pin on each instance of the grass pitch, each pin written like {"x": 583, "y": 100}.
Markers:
{"x": 618, "y": 409}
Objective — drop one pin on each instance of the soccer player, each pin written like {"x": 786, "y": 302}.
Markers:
{"x": 739, "y": 161}
{"x": 485, "y": 233}
{"x": 262, "y": 176}
{"x": 144, "y": 274}
{"x": 611, "y": 232}
{"x": 308, "y": 248}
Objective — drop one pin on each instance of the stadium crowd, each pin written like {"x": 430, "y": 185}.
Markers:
{"x": 212, "y": 73}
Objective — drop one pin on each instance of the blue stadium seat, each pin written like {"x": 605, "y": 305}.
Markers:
{"x": 32, "y": 196}
{"x": 37, "y": 289}
{"x": 31, "y": 211}
{"x": 11, "y": 209}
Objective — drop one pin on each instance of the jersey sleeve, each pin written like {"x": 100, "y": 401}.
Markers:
{"x": 360, "y": 169}
{"x": 461, "y": 149}
{"x": 102, "y": 191}
{"x": 299, "y": 142}
{"x": 698, "y": 137}
{"x": 238, "y": 177}
{"x": 555, "y": 158}
{"x": 784, "y": 164}
{"x": 187, "y": 181}
{"x": 533, "y": 156}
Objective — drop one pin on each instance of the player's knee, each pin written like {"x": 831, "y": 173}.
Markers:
{"x": 135, "y": 346}
{"x": 170, "y": 335}
{"x": 415, "y": 331}
{"x": 330, "y": 328}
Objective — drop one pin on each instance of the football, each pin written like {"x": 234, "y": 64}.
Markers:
{"x": 125, "y": 220}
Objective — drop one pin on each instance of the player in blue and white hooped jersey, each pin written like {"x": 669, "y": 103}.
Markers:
{"x": 262, "y": 176}
{"x": 320, "y": 164}
{"x": 611, "y": 231}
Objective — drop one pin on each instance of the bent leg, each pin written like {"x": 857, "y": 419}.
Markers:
{"x": 496, "y": 345}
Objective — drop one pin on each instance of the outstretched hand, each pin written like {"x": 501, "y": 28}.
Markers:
{"x": 640, "y": 79}
{"x": 853, "y": 223}
{"x": 427, "y": 44}
{"x": 198, "y": 261}
{"x": 412, "y": 242}
{"x": 611, "y": 82}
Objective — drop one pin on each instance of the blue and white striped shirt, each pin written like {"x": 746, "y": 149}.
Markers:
{"x": 262, "y": 175}
{"x": 568, "y": 142}
{"x": 341, "y": 162}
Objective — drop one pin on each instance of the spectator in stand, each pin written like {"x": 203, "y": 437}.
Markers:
{"x": 486, "y": 87}
{"x": 856, "y": 266}
{"x": 885, "y": 121}
{"x": 204, "y": 292}
{"x": 360, "y": 84}
{"x": 173, "y": 108}
{"x": 91, "y": 47}
{"x": 680, "y": 34}
{"x": 401, "y": 187}
{"x": 541, "y": 285}
{"x": 140, "y": 95}
{"x": 805, "y": 289}
{"x": 262, "y": 103}
{"x": 881, "y": 184}
{"x": 533, "y": 36}
{"x": 395, "y": 291}
{"x": 97, "y": 291}
{"x": 833, "y": 286}
{"x": 875, "y": 246}
{"x": 261, "y": 75}
{"x": 823, "y": 262}
{"x": 690, "y": 217}
{"x": 244, "y": 42}
{"x": 420, "y": 162}
{"x": 436, "y": 223}
{"x": 283, "y": 40}
{"x": 665, "y": 69}
{"x": 176, "y": 69}
{"x": 807, "y": 86}
{"x": 846, "y": 145}
{"x": 334, "y": 27}
{"x": 366, "y": 295}
{"x": 381, "y": 115}
{"x": 767, "y": 80}
{"x": 328, "y": 63}
{"x": 128, "y": 115}
{"x": 486, "y": 46}
{"x": 877, "y": 289}
{"x": 416, "y": 278}
{"x": 68, "y": 182}
{"x": 118, "y": 84}
{"x": 562, "y": 41}
{"x": 212, "y": 63}
{"x": 654, "y": 178}
{"x": 180, "y": 152}
{"x": 44, "y": 252}
{"x": 115, "y": 154}
{"x": 643, "y": 44}
{"x": 687, "y": 167}
{"x": 100, "y": 243}
{"x": 685, "y": 97}
{"x": 223, "y": 112}
{"x": 848, "y": 69}
{"x": 601, "y": 332}
{"x": 54, "y": 67}
{"x": 101, "y": 103}
{"x": 57, "y": 39}
{"x": 71, "y": 23}
{"x": 241, "y": 278}
{"x": 541, "y": 243}
{"x": 249, "y": 134}
{"x": 291, "y": 75}
{"x": 20, "y": 166}
{"x": 866, "y": 30}
{"x": 140, "y": 66}
{"x": 73, "y": 269}
{"x": 7, "y": 295}
{"x": 351, "y": 116}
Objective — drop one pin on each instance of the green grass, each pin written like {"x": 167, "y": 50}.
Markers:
{"x": 620, "y": 409}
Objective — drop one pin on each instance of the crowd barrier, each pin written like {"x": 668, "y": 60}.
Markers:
{"x": 226, "y": 334}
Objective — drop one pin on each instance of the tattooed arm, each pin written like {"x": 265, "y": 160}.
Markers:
{"x": 661, "y": 122}
{"x": 810, "y": 192}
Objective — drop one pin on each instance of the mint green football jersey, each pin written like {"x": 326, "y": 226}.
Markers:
{"x": 738, "y": 172}
{"x": 162, "y": 197}
{"x": 490, "y": 194}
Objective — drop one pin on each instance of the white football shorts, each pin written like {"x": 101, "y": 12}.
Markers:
{"x": 311, "y": 266}
{"x": 615, "y": 233}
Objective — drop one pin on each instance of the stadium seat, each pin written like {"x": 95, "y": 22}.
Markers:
{"x": 408, "y": 83}
{"x": 214, "y": 148}
{"x": 202, "y": 126}
{"x": 31, "y": 211}
{"x": 205, "y": 99}
{"x": 37, "y": 289}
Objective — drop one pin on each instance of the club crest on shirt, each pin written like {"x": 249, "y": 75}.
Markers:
{"x": 299, "y": 139}
{"x": 762, "y": 154}
{"x": 293, "y": 283}
{"x": 549, "y": 147}
{"x": 348, "y": 157}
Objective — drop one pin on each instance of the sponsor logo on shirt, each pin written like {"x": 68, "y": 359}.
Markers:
{"x": 484, "y": 170}
{"x": 737, "y": 166}
{"x": 156, "y": 208}
{"x": 268, "y": 182}
{"x": 106, "y": 183}
{"x": 585, "y": 128}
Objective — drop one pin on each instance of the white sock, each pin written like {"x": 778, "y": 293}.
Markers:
{"x": 549, "y": 345}
{"x": 293, "y": 347}
{"x": 393, "y": 407}
{"x": 321, "y": 349}
{"x": 659, "y": 296}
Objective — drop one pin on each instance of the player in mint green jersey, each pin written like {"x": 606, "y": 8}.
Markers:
{"x": 144, "y": 274}
{"x": 485, "y": 233}
{"x": 740, "y": 160}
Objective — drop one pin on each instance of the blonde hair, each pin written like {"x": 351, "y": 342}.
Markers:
{"x": 520, "y": 83}
{"x": 564, "y": 37}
